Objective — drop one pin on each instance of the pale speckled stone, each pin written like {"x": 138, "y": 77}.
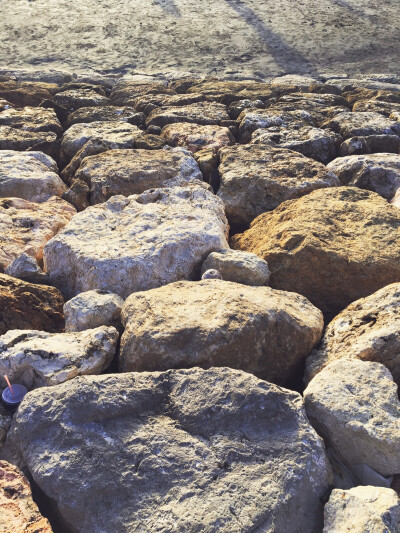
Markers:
{"x": 92, "y": 309}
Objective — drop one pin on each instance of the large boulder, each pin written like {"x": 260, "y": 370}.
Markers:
{"x": 29, "y": 175}
{"x": 368, "y": 329}
{"x": 350, "y": 124}
{"x": 138, "y": 243}
{"x": 184, "y": 450}
{"x": 370, "y": 144}
{"x": 29, "y": 306}
{"x": 75, "y": 98}
{"x": 26, "y": 93}
{"x": 195, "y": 137}
{"x": 18, "y": 512}
{"x": 354, "y": 406}
{"x": 93, "y": 309}
{"x": 219, "y": 323}
{"x": 256, "y": 178}
{"x": 334, "y": 246}
{"x": 37, "y": 358}
{"x": 25, "y": 227}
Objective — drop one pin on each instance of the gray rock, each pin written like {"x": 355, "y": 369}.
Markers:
{"x": 211, "y": 273}
{"x": 370, "y": 144}
{"x": 238, "y": 266}
{"x": 5, "y": 423}
{"x": 199, "y": 113}
{"x": 215, "y": 450}
{"x": 31, "y": 119}
{"x": 93, "y": 309}
{"x": 106, "y": 113}
{"x": 350, "y": 124}
{"x": 25, "y": 267}
{"x": 19, "y": 139}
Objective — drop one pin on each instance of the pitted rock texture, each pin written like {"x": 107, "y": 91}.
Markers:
{"x": 199, "y": 113}
{"x": 29, "y": 175}
{"x": 256, "y": 179}
{"x": 216, "y": 450}
{"x": 368, "y": 329}
{"x": 370, "y": 144}
{"x": 93, "y": 309}
{"x": 28, "y": 306}
{"x": 137, "y": 243}
{"x": 350, "y": 124}
{"x": 238, "y": 266}
{"x": 334, "y": 246}
{"x": 148, "y": 102}
{"x": 18, "y": 512}
{"x": 36, "y": 358}
{"x": 195, "y": 137}
{"x": 26, "y": 93}
{"x": 25, "y": 227}
{"x": 106, "y": 114}
{"x": 73, "y": 99}
{"x": 219, "y": 323}
{"x": 31, "y": 119}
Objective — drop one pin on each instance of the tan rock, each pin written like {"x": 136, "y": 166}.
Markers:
{"x": 19, "y": 139}
{"x": 126, "y": 91}
{"x": 231, "y": 91}
{"x": 350, "y": 124}
{"x": 73, "y": 99}
{"x": 147, "y": 103}
{"x": 370, "y": 144}
{"x": 334, "y": 245}
{"x": 376, "y": 106}
{"x": 25, "y": 227}
{"x": 195, "y": 137}
{"x": 199, "y": 113}
{"x": 31, "y": 119}
{"x": 106, "y": 113}
{"x": 26, "y": 93}
{"x": 238, "y": 266}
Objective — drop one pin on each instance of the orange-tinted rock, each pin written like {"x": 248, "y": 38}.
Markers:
{"x": 195, "y": 137}
{"x": 26, "y": 93}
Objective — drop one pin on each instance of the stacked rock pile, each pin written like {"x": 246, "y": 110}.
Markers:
{"x": 200, "y": 288}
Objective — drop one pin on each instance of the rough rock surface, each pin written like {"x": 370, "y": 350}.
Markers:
{"x": 29, "y": 175}
{"x": 28, "y": 306}
{"x": 25, "y": 267}
{"x": 219, "y": 323}
{"x": 31, "y": 119}
{"x": 26, "y": 93}
{"x": 370, "y": 144}
{"x": 6, "y": 417}
{"x": 106, "y": 113}
{"x": 238, "y": 266}
{"x": 362, "y": 510}
{"x": 200, "y": 113}
{"x": 18, "y": 139}
{"x": 36, "y": 358}
{"x": 93, "y": 309}
{"x": 25, "y": 227}
{"x": 137, "y": 243}
{"x": 129, "y": 172}
{"x": 350, "y": 124}
{"x": 368, "y": 329}
{"x": 254, "y": 119}
{"x": 334, "y": 245}
{"x": 216, "y": 450}
{"x": 18, "y": 512}
{"x": 195, "y": 137}
{"x": 73, "y": 99}
{"x": 148, "y": 102}
{"x": 354, "y": 406}
{"x": 256, "y": 178}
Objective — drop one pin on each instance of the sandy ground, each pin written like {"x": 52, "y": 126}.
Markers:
{"x": 220, "y": 37}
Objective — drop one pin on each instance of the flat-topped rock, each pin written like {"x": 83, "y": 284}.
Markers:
{"x": 334, "y": 245}
{"x": 26, "y": 93}
{"x": 125, "y": 91}
{"x": 199, "y": 113}
{"x": 376, "y": 106}
{"x": 205, "y": 448}
{"x": 148, "y": 102}
{"x": 106, "y": 114}
{"x": 93, "y": 309}
{"x": 195, "y": 137}
{"x": 73, "y": 99}
{"x": 257, "y": 178}
{"x": 350, "y": 124}
{"x": 19, "y": 139}
{"x": 31, "y": 119}
{"x": 370, "y": 144}
{"x": 238, "y": 266}
{"x": 231, "y": 91}
{"x": 138, "y": 243}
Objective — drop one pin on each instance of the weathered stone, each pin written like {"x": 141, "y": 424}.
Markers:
{"x": 208, "y": 161}
{"x": 354, "y": 406}
{"x": 238, "y": 266}
{"x": 31, "y": 119}
{"x": 92, "y": 309}
{"x": 6, "y": 417}
{"x": 25, "y": 227}
{"x": 215, "y": 450}
{"x": 78, "y": 195}
{"x": 200, "y": 113}
{"x": 116, "y": 134}
{"x": 350, "y": 124}
{"x": 256, "y": 178}
{"x": 4, "y": 104}
{"x": 378, "y": 172}
{"x": 376, "y": 106}
{"x": 147, "y": 103}
{"x": 320, "y": 107}
{"x": 25, "y": 267}
{"x": 106, "y": 113}
{"x": 36, "y": 358}
{"x": 211, "y": 274}
{"x": 126, "y": 91}
{"x": 362, "y": 510}
{"x": 334, "y": 246}
{"x": 29, "y": 175}
{"x": 28, "y": 306}
{"x": 150, "y": 142}
{"x": 129, "y": 172}
{"x": 138, "y": 243}
{"x": 231, "y": 91}
{"x": 26, "y": 93}
{"x": 361, "y": 94}
{"x": 74, "y": 99}
{"x": 219, "y": 323}
{"x": 237, "y": 107}
{"x": 321, "y": 145}
{"x": 195, "y": 137}
{"x": 370, "y": 145}
{"x": 19, "y": 139}
{"x": 18, "y": 512}
{"x": 368, "y": 329}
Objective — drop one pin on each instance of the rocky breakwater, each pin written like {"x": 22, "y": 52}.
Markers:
{"x": 199, "y": 285}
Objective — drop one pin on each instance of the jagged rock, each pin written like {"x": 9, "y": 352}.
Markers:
{"x": 361, "y": 94}
{"x": 321, "y": 145}
{"x": 31, "y": 119}
{"x": 116, "y": 134}
{"x": 25, "y": 227}
{"x": 137, "y": 243}
{"x": 320, "y": 107}
{"x": 362, "y": 510}
{"x": 147, "y": 103}
{"x": 376, "y": 106}
{"x": 29, "y": 175}
{"x": 150, "y": 142}
{"x": 37, "y": 358}
{"x": 219, "y": 323}
{"x": 25, "y": 267}
{"x": 134, "y": 171}
{"x": 126, "y": 91}
{"x": 256, "y": 178}
{"x": 354, "y": 406}
{"x": 195, "y": 137}
{"x": 368, "y": 329}
{"x": 92, "y": 309}
{"x": 26, "y": 93}
{"x": 238, "y": 106}
{"x": 208, "y": 161}
{"x": 334, "y": 245}
{"x": 18, "y": 512}
{"x": 91, "y": 147}
{"x": 212, "y": 273}
{"x": 378, "y": 172}
{"x": 350, "y": 124}
{"x": 74, "y": 99}
{"x": 215, "y": 450}
{"x": 370, "y": 144}
{"x": 202, "y": 113}
{"x": 106, "y": 113}
{"x": 28, "y": 306}
{"x": 19, "y": 139}
{"x": 238, "y": 266}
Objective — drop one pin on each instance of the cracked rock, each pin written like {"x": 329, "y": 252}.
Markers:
{"x": 92, "y": 309}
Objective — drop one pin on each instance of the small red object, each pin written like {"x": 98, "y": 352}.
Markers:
{"x": 9, "y": 384}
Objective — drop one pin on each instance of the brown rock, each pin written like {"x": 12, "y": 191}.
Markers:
{"x": 200, "y": 113}
{"x": 385, "y": 108}
{"x": 350, "y": 124}
{"x": 31, "y": 119}
{"x": 227, "y": 92}
{"x": 195, "y": 137}
{"x": 334, "y": 246}
{"x": 370, "y": 145}
{"x": 26, "y": 93}
{"x": 19, "y": 139}
{"x": 126, "y": 91}
{"x": 148, "y": 102}
{"x": 106, "y": 113}
{"x": 74, "y": 99}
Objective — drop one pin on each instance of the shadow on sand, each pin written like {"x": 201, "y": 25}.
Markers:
{"x": 168, "y": 6}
